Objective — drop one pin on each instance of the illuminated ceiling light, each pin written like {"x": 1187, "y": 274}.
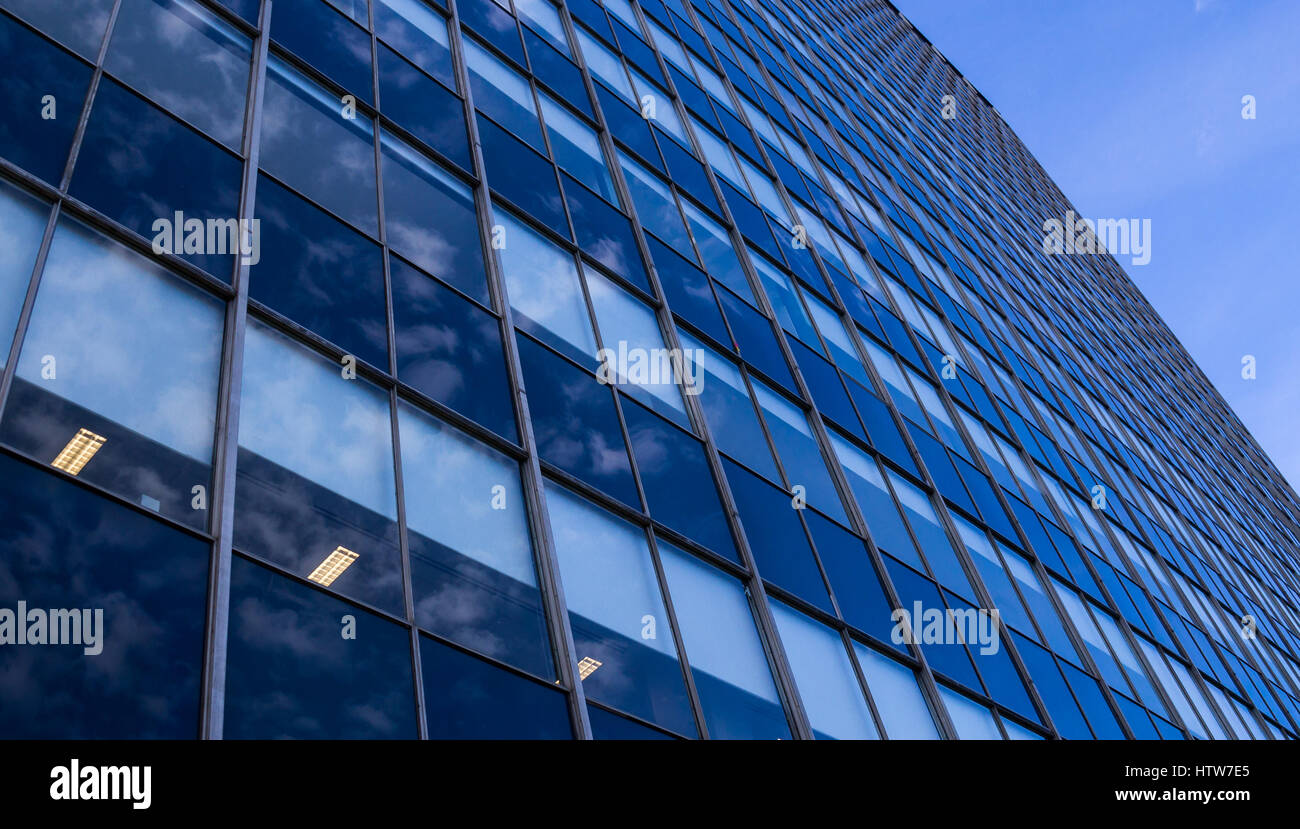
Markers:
{"x": 587, "y": 667}
{"x": 333, "y": 566}
{"x": 79, "y": 451}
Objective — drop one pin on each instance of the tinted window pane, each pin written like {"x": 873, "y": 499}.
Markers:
{"x": 471, "y": 558}
{"x": 727, "y": 660}
{"x": 803, "y": 462}
{"x": 426, "y": 109}
{"x": 128, "y": 352}
{"x": 604, "y": 233}
{"x": 575, "y": 422}
{"x": 77, "y": 24}
{"x": 634, "y": 355}
{"x": 320, "y": 273}
{"x": 33, "y": 69}
{"x": 309, "y": 143}
{"x": 576, "y": 148}
{"x": 315, "y": 490}
{"x": 972, "y": 720}
{"x": 608, "y": 726}
{"x": 466, "y": 698}
{"x": 294, "y": 672}
{"x": 143, "y": 587}
{"x": 186, "y": 59}
{"x": 144, "y": 168}
{"x": 23, "y": 219}
{"x": 450, "y": 349}
{"x": 898, "y": 698}
{"x": 620, "y": 628}
{"x": 728, "y": 408}
{"x": 523, "y": 176}
{"x": 327, "y": 40}
{"x": 429, "y": 218}
{"x": 827, "y": 684}
{"x": 678, "y": 483}
{"x": 852, "y": 577}
{"x": 419, "y": 33}
{"x": 502, "y": 93}
{"x": 776, "y": 536}
{"x": 545, "y": 293}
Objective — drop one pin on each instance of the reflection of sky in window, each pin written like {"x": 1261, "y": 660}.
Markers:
{"x": 827, "y": 684}
{"x": 899, "y": 700}
{"x": 542, "y": 281}
{"x": 22, "y": 224}
{"x": 717, "y": 629}
{"x": 298, "y": 412}
{"x": 130, "y": 341}
{"x": 728, "y": 408}
{"x": 186, "y": 59}
{"x": 622, "y": 316}
{"x": 449, "y": 480}
{"x": 605, "y": 563}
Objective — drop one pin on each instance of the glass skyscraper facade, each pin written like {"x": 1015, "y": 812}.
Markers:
{"x": 478, "y": 369}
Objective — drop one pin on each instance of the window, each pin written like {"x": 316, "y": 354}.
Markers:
{"x": 472, "y": 572}
{"x": 77, "y": 24}
{"x": 575, "y": 422}
{"x": 316, "y": 485}
{"x": 23, "y": 219}
{"x": 34, "y": 68}
{"x": 327, "y": 40}
{"x": 634, "y": 354}
{"x": 419, "y": 33}
{"x": 65, "y": 547}
{"x": 544, "y": 288}
{"x": 728, "y": 408}
{"x": 185, "y": 59}
{"x": 827, "y": 683}
{"x": 576, "y": 148}
{"x": 466, "y": 698}
{"x": 677, "y": 480}
{"x": 502, "y": 94}
{"x": 159, "y": 177}
{"x": 291, "y": 675}
{"x": 121, "y": 349}
{"x": 320, "y": 273}
{"x": 429, "y": 218}
{"x": 309, "y": 144}
{"x": 898, "y": 699}
{"x": 450, "y": 349}
{"x": 620, "y": 627}
{"x": 721, "y": 642}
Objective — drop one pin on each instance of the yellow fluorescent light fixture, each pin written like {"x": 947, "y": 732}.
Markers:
{"x": 587, "y": 667}
{"x": 79, "y": 451}
{"x": 333, "y": 566}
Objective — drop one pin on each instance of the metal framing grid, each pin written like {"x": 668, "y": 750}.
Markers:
{"x": 535, "y": 471}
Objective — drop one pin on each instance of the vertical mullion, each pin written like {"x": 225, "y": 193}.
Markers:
{"x": 552, "y": 589}
{"x": 230, "y": 393}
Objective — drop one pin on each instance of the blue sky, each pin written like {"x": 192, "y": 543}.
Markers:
{"x": 1134, "y": 109}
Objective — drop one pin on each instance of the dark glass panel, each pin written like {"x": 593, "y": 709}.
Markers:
{"x": 33, "y": 70}
{"x": 161, "y": 179}
{"x": 468, "y": 699}
{"x": 678, "y": 483}
{"x": 320, "y": 273}
{"x": 450, "y": 349}
{"x": 137, "y": 588}
{"x": 305, "y": 665}
{"x": 575, "y": 422}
